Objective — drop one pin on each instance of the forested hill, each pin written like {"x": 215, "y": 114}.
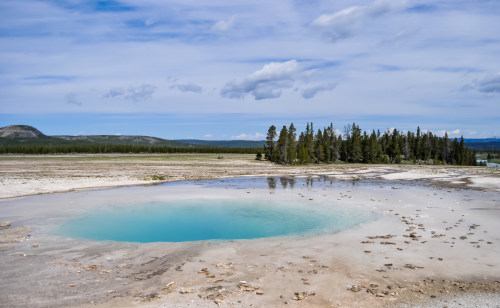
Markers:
{"x": 358, "y": 146}
{"x": 29, "y": 140}
{"x": 24, "y": 135}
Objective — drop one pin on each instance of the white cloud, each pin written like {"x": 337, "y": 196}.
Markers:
{"x": 224, "y": 25}
{"x": 71, "y": 99}
{"x": 347, "y": 22}
{"x": 265, "y": 83}
{"x": 313, "y": 91}
{"x": 208, "y": 136}
{"x": 256, "y": 136}
{"x": 188, "y": 87}
{"x": 135, "y": 93}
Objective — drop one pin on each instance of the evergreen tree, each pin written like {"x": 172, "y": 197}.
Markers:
{"x": 319, "y": 151}
{"x": 396, "y": 152}
{"x": 282, "y": 147}
{"x": 269, "y": 149}
{"x": 292, "y": 144}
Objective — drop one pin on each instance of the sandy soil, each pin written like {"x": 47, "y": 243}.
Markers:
{"x": 436, "y": 244}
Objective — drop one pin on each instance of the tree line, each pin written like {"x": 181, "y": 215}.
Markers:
{"x": 102, "y": 148}
{"x": 357, "y": 146}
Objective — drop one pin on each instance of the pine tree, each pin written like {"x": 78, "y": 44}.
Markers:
{"x": 269, "y": 149}
{"x": 282, "y": 147}
{"x": 319, "y": 152}
{"x": 292, "y": 144}
{"x": 395, "y": 147}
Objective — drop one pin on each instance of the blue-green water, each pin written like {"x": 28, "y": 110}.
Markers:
{"x": 194, "y": 220}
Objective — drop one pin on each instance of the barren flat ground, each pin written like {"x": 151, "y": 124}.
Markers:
{"x": 436, "y": 243}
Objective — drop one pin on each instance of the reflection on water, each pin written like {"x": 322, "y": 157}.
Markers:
{"x": 271, "y": 183}
{"x": 277, "y": 182}
{"x": 289, "y": 182}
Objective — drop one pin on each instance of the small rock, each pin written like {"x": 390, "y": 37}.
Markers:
{"x": 259, "y": 292}
{"x": 411, "y": 266}
{"x": 5, "y": 224}
{"x": 151, "y": 295}
{"x": 35, "y": 245}
{"x": 186, "y": 291}
{"x": 71, "y": 285}
{"x": 92, "y": 267}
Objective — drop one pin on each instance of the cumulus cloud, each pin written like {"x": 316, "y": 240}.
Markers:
{"x": 313, "y": 91}
{"x": 71, "y": 99}
{"x": 135, "y": 93}
{"x": 224, "y": 25}
{"x": 256, "y": 136}
{"x": 208, "y": 136}
{"x": 347, "y": 22}
{"x": 265, "y": 83}
{"x": 189, "y": 87}
{"x": 489, "y": 84}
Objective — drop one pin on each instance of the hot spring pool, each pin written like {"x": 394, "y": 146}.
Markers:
{"x": 199, "y": 219}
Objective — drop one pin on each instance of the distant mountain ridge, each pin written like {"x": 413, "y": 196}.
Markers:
{"x": 126, "y": 140}
{"x": 25, "y": 135}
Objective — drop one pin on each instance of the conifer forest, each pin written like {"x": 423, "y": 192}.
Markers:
{"x": 356, "y": 146}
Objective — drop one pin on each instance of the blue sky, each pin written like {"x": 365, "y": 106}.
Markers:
{"x": 229, "y": 69}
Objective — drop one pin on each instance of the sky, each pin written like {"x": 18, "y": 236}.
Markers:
{"x": 219, "y": 69}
